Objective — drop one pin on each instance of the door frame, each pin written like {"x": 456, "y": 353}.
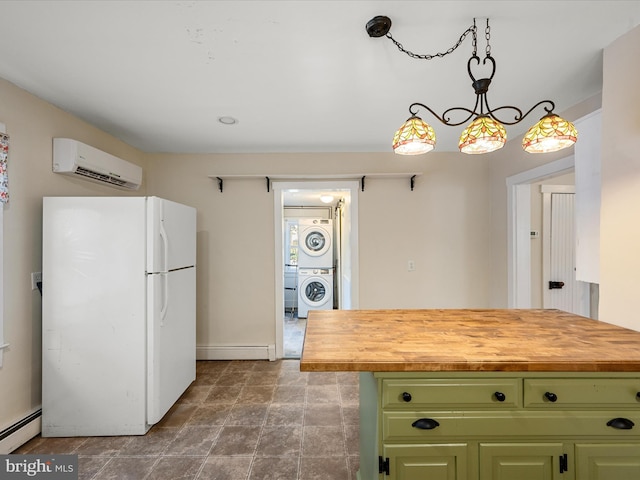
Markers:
{"x": 519, "y": 227}
{"x": 278, "y": 186}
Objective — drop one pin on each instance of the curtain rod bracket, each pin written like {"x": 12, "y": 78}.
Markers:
{"x": 413, "y": 182}
{"x": 362, "y": 183}
{"x": 220, "y": 183}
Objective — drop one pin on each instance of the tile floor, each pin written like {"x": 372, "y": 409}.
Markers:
{"x": 240, "y": 420}
{"x": 294, "y": 329}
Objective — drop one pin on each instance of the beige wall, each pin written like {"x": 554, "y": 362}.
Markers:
{"x": 31, "y": 125}
{"x": 441, "y": 226}
{"x": 620, "y": 207}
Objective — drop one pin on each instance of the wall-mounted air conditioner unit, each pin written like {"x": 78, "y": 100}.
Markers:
{"x": 71, "y": 157}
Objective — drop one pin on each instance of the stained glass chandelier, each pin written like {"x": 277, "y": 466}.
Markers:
{"x": 486, "y": 132}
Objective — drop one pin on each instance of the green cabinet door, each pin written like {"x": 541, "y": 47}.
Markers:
{"x": 523, "y": 461}
{"x": 608, "y": 461}
{"x": 433, "y": 462}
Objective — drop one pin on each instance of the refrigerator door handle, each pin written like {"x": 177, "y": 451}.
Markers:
{"x": 165, "y": 248}
{"x": 165, "y": 298}
{"x": 165, "y": 242}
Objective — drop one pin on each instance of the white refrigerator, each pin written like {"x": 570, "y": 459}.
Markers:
{"x": 118, "y": 313}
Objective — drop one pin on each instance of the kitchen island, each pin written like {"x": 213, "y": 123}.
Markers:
{"x": 486, "y": 394}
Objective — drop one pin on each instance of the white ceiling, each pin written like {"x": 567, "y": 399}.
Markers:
{"x": 300, "y": 76}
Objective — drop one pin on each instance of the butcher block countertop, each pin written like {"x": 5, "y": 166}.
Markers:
{"x": 465, "y": 340}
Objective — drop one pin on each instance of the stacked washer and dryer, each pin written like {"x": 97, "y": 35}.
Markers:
{"x": 315, "y": 265}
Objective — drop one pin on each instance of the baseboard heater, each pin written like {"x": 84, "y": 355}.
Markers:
{"x": 20, "y": 432}
{"x": 214, "y": 352}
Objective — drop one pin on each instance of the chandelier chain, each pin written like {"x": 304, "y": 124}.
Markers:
{"x": 469, "y": 30}
{"x": 474, "y": 41}
{"x": 487, "y": 35}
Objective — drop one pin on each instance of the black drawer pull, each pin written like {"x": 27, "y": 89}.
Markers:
{"x": 406, "y": 396}
{"x": 501, "y": 397}
{"x": 552, "y": 397}
{"x": 621, "y": 423}
{"x": 425, "y": 424}
{"x": 638, "y": 395}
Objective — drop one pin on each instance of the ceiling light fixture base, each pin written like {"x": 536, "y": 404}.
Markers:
{"x": 378, "y": 26}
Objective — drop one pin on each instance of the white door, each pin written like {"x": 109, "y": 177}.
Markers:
{"x": 561, "y": 290}
{"x": 172, "y": 339}
{"x": 171, "y": 233}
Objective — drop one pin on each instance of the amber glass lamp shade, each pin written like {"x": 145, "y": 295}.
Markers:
{"x": 483, "y": 135}
{"x": 550, "y": 134}
{"x": 414, "y": 137}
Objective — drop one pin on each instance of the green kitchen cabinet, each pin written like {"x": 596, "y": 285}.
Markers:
{"x": 502, "y": 426}
{"x": 433, "y": 462}
{"x": 523, "y": 461}
{"x": 598, "y": 461}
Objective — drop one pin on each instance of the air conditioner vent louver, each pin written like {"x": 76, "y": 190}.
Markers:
{"x": 100, "y": 176}
{"x": 71, "y": 157}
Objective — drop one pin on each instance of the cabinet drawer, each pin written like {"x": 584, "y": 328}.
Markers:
{"x": 582, "y": 392}
{"x": 398, "y": 426}
{"x": 451, "y": 394}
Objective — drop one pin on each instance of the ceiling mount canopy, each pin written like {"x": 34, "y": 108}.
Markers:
{"x": 486, "y": 132}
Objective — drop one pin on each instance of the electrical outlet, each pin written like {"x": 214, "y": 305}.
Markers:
{"x": 35, "y": 278}
{"x": 411, "y": 266}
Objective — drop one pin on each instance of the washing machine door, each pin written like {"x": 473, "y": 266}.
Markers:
{"x": 315, "y": 241}
{"x": 315, "y": 292}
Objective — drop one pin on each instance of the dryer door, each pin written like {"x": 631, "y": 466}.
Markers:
{"x": 315, "y": 241}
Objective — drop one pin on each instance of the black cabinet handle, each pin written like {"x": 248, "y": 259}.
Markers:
{"x": 406, "y": 396}
{"x": 638, "y": 395}
{"x": 621, "y": 423}
{"x": 501, "y": 397}
{"x": 552, "y": 397}
{"x": 425, "y": 424}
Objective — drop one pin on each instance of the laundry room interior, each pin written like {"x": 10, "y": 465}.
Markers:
{"x": 314, "y": 260}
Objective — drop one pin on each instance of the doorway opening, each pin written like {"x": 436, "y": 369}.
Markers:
{"x": 520, "y": 229}
{"x": 316, "y": 255}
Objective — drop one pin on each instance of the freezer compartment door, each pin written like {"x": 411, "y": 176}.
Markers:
{"x": 171, "y": 339}
{"x": 171, "y": 234}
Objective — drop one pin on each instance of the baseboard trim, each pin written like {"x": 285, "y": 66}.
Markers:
{"x": 263, "y": 352}
{"x": 20, "y": 432}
